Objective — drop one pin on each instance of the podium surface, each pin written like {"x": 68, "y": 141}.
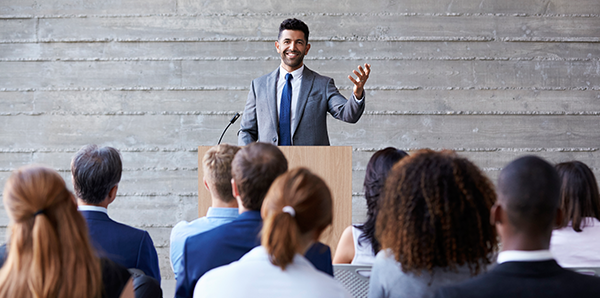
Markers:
{"x": 332, "y": 164}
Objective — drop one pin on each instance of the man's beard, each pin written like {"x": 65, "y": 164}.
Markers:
{"x": 293, "y": 63}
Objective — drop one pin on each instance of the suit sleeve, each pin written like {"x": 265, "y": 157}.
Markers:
{"x": 148, "y": 258}
{"x": 248, "y": 132}
{"x": 342, "y": 109}
{"x": 182, "y": 287}
{"x": 319, "y": 255}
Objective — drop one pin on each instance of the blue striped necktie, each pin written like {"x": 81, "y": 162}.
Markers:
{"x": 285, "y": 111}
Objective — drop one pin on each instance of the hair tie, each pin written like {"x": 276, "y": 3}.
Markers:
{"x": 290, "y": 210}
{"x": 39, "y": 212}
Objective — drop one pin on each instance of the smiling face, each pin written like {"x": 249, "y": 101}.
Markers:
{"x": 292, "y": 46}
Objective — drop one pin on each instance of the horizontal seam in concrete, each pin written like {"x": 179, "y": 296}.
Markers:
{"x": 73, "y": 150}
{"x": 497, "y": 149}
{"x": 590, "y": 39}
{"x": 368, "y": 88}
{"x": 167, "y": 59}
{"x": 305, "y": 14}
{"x": 370, "y": 113}
{"x": 355, "y": 149}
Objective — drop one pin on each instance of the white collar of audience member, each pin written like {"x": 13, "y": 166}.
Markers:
{"x": 524, "y": 256}
{"x": 92, "y": 208}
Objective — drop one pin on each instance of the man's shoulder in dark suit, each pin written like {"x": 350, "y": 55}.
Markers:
{"x": 525, "y": 279}
{"x": 123, "y": 244}
{"x": 217, "y": 247}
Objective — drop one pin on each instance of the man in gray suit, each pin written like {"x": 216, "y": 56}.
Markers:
{"x": 289, "y": 106}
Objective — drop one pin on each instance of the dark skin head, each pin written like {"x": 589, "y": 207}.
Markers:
{"x": 528, "y": 204}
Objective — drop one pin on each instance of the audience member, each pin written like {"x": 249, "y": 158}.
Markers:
{"x": 96, "y": 173}
{"x": 433, "y": 225}
{"x": 526, "y": 211}
{"x": 297, "y": 208}
{"x": 254, "y": 168}
{"x": 577, "y": 242}
{"x": 358, "y": 244}
{"x": 49, "y": 253}
{"x": 216, "y": 165}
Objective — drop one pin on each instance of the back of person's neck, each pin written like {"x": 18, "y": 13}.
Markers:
{"x": 218, "y": 203}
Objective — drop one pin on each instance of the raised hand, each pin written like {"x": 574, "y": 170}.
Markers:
{"x": 362, "y": 77}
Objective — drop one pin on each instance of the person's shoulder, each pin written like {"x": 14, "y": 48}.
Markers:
{"x": 317, "y": 76}
{"x": 264, "y": 77}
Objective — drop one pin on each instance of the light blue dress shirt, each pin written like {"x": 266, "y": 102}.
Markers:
{"x": 182, "y": 230}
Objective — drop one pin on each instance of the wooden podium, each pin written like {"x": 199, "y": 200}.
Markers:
{"x": 333, "y": 164}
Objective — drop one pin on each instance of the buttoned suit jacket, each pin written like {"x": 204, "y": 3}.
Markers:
{"x": 525, "y": 280}
{"x": 122, "y": 244}
{"x": 228, "y": 243}
{"x": 318, "y": 96}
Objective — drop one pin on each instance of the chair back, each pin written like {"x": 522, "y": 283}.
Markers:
{"x": 355, "y": 278}
{"x": 592, "y": 271}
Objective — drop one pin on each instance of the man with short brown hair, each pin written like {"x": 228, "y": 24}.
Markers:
{"x": 216, "y": 165}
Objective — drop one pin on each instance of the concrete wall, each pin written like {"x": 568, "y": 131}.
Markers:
{"x": 492, "y": 80}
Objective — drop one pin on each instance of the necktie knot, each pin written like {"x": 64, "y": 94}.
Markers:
{"x": 288, "y": 77}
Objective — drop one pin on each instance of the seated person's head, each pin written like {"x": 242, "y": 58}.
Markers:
{"x": 377, "y": 171}
{"x": 96, "y": 172}
{"x": 579, "y": 196}
{"x": 216, "y": 165}
{"x": 528, "y": 199}
{"x": 435, "y": 212}
{"x": 297, "y": 208}
{"x": 49, "y": 246}
{"x": 253, "y": 169}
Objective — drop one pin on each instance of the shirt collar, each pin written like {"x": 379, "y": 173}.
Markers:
{"x": 222, "y": 212}
{"x": 92, "y": 208}
{"x": 524, "y": 256}
{"x": 296, "y": 74}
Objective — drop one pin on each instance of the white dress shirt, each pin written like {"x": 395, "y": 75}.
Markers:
{"x": 92, "y": 208}
{"x": 254, "y": 276}
{"x": 524, "y": 256}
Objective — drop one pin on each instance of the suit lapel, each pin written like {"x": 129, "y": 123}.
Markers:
{"x": 307, "y": 82}
{"x": 272, "y": 98}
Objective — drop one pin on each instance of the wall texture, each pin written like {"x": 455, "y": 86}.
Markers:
{"x": 492, "y": 80}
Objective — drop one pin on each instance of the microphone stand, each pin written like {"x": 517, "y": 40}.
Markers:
{"x": 235, "y": 118}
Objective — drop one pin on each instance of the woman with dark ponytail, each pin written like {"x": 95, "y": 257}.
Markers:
{"x": 49, "y": 253}
{"x": 296, "y": 210}
{"x": 358, "y": 244}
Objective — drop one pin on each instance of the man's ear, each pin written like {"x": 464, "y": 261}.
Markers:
{"x": 558, "y": 220}
{"x": 277, "y": 47}
{"x": 234, "y": 189}
{"x": 307, "y": 48}
{"x": 496, "y": 214}
{"x": 112, "y": 194}
{"x": 205, "y": 183}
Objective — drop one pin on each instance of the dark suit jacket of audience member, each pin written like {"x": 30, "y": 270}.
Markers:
{"x": 228, "y": 243}
{"x": 122, "y": 244}
{"x": 525, "y": 279}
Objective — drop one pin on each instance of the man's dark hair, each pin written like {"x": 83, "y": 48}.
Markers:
{"x": 529, "y": 190}
{"x": 254, "y": 168}
{"x": 95, "y": 171}
{"x": 293, "y": 24}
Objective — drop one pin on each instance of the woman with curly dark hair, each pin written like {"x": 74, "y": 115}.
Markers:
{"x": 358, "y": 244}
{"x": 433, "y": 225}
{"x": 576, "y": 242}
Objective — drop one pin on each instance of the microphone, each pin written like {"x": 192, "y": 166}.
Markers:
{"x": 235, "y": 118}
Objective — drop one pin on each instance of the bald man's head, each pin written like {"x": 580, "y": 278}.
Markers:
{"x": 528, "y": 190}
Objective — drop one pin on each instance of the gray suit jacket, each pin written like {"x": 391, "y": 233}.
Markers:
{"x": 318, "y": 95}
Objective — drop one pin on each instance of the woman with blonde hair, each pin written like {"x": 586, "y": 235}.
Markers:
{"x": 296, "y": 210}
{"x": 49, "y": 253}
